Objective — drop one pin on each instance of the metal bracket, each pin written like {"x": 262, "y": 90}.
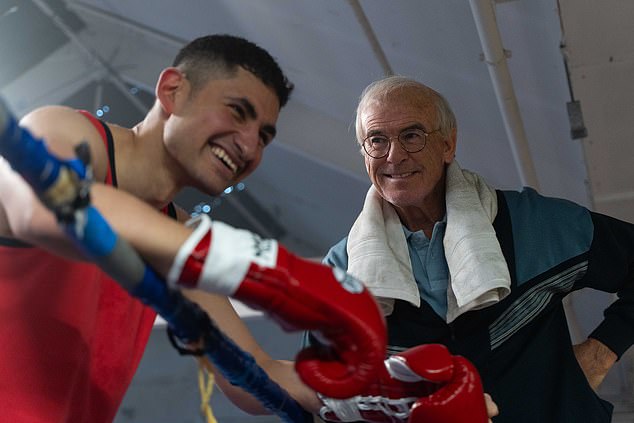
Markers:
{"x": 507, "y": 55}
{"x": 577, "y": 126}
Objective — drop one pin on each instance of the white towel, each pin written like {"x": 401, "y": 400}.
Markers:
{"x": 378, "y": 253}
{"x": 477, "y": 268}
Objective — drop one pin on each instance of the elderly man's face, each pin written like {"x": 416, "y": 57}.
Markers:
{"x": 407, "y": 179}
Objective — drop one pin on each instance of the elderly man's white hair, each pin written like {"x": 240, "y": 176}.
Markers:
{"x": 382, "y": 89}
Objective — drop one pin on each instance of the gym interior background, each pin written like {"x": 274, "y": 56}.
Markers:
{"x": 542, "y": 91}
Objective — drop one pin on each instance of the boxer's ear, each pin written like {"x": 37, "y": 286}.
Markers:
{"x": 172, "y": 88}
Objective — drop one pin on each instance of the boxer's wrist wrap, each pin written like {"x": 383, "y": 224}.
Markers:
{"x": 216, "y": 256}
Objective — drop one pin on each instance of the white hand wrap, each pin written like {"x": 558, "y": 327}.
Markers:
{"x": 228, "y": 258}
{"x": 351, "y": 409}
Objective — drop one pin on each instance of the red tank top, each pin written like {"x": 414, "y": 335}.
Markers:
{"x": 70, "y": 337}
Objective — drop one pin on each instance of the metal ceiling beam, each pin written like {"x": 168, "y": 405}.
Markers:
{"x": 494, "y": 56}
{"x": 113, "y": 75}
{"x": 371, "y": 36}
{"x": 128, "y": 23}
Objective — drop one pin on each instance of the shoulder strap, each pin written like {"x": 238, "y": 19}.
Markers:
{"x": 106, "y": 136}
{"x": 170, "y": 210}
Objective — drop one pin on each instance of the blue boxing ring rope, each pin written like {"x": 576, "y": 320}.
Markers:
{"x": 64, "y": 187}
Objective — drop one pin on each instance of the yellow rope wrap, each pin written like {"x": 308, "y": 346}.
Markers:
{"x": 206, "y": 388}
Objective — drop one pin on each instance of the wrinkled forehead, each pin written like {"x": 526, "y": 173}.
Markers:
{"x": 397, "y": 106}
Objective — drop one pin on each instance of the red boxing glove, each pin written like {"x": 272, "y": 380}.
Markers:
{"x": 424, "y": 384}
{"x": 298, "y": 294}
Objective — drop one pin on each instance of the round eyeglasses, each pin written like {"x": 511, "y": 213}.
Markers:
{"x": 412, "y": 140}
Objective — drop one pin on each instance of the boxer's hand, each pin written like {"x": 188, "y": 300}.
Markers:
{"x": 298, "y": 294}
{"x": 492, "y": 407}
{"x": 424, "y": 384}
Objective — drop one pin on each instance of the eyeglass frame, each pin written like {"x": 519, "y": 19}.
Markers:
{"x": 398, "y": 137}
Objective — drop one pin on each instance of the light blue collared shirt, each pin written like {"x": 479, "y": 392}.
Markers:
{"x": 430, "y": 266}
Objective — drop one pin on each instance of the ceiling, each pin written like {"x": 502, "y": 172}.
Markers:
{"x": 90, "y": 53}
{"x": 569, "y": 63}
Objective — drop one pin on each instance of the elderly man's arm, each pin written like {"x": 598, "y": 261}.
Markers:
{"x": 595, "y": 359}
{"x": 610, "y": 269}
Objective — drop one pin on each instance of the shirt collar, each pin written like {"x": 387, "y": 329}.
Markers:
{"x": 440, "y": 224}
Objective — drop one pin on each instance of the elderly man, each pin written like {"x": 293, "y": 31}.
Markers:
{"x": 483, "y": 271}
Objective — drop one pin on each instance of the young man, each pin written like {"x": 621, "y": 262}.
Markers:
{"x": 71, "y": 338}
{"x": 483, "y": 271}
